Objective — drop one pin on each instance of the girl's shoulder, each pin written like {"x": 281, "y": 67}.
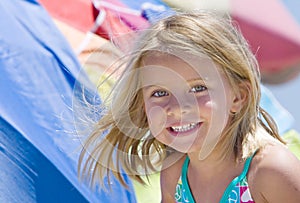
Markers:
{"x": 274, "y": 175}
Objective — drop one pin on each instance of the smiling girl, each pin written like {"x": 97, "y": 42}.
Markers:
{"x": 187, "y": 105}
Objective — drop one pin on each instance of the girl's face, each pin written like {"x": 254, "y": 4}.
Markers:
{"x": 187, "y": 104}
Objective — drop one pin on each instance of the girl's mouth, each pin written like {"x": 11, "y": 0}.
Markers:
{"x": 184, "y": 128}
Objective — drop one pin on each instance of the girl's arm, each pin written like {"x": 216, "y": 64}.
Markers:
{"x": 169, "y": 177}
{"x": 277, "y": 176}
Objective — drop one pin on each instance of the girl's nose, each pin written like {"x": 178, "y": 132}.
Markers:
{"x": 180, "y": 106}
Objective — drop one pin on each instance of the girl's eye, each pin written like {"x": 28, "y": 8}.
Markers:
{"x": 160, "y": 93}
{"x": 198, "y": 88}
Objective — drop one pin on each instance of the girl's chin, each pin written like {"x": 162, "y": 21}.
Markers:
{"x": 185, "y": 150}
{"x": 186, "y": 144}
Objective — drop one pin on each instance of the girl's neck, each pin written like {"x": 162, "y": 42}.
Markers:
{"x": 214, "y": 172}
{"x": 212, "y": 164}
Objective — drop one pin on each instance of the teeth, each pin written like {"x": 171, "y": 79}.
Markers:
{"x": 184, "y": 128}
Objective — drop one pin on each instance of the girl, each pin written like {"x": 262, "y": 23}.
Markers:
{"x": 187, "y": 105}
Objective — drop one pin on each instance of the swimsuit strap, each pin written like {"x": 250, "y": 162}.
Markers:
{"x": 236, "y": 180}
{"x": 185, "y": 183}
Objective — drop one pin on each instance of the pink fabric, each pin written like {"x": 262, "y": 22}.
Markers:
{"x": 77, "y": 13}
{"x": 271, "y": 30}
{"x": 133, "y": 21}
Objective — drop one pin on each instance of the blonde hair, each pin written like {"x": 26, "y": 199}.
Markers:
{"x": 121, "y": 140}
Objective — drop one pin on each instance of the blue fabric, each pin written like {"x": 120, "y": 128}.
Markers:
{"x": 152, "y": 10}
{"x": 138, "y": 4}
{"x": 40, "y": 83}
{"x": 293, "y": 7}
{"x": 26, "y": 175}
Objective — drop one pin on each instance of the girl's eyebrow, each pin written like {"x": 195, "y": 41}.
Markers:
{"x": 150, "y": 86}
{"x": 161, "y": 85}
{"x": 195, "y": 80}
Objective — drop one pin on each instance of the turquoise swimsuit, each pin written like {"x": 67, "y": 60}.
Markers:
{"x": 236, "y": 192}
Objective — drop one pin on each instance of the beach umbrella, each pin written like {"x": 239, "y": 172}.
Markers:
{"x": 40, "y": 83}
{"x": 272, "y": 28}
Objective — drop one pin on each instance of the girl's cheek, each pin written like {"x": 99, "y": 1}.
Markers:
{"x": 213, "y": 108}
{"x": 217, "y": 113}
{"x": 206, "y": 104}
{"x": 157, "y": 119}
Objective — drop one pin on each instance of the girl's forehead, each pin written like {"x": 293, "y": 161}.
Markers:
{"x": 174, "y": 59}
{"x": 160, "y": 66}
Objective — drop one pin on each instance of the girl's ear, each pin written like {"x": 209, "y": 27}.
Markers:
{"x": 240, "y": 97}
